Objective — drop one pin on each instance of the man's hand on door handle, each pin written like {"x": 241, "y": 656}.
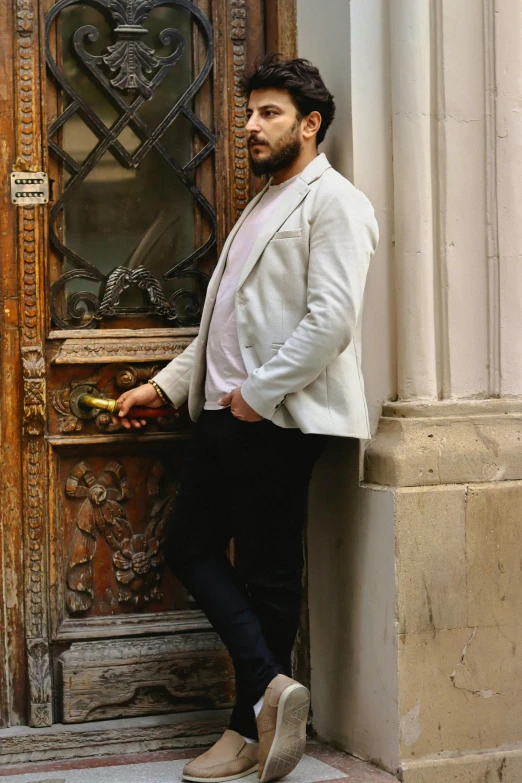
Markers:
{"x": 145, "y": 395}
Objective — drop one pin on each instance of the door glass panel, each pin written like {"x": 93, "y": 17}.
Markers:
{"x": 130, "y": 228}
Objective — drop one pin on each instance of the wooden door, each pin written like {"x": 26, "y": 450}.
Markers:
{"x": 132, "y": 111}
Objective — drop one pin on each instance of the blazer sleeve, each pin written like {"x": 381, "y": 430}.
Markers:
{"x": 343, "y": 238}
{"x": 174, "y": 379}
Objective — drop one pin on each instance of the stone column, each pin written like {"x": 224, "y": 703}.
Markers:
{"x": 413, "y": 198}
{"x": 507, "y": 311}
{"x": 415, "y": 582}
{"x": 453, "y": 465}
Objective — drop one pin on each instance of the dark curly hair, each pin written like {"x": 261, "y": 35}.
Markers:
{"x": 302, "y": 80}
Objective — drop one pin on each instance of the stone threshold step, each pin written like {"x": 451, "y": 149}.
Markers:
{"x": 321, "y": 763}
{"x": 22, "y": 744}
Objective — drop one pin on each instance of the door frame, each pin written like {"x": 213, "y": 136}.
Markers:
{"x": 25, "y": 671}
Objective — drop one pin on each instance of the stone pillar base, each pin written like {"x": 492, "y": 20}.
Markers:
{"x": 455, "y": 471}
{"x": 498, "y": 765}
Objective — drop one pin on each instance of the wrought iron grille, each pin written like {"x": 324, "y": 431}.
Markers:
{"x": 128, "y": 73}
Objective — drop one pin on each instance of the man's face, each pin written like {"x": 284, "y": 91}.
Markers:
{"x": 274, "y": 131}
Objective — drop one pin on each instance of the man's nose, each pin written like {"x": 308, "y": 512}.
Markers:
{"x": 252, "y": 124}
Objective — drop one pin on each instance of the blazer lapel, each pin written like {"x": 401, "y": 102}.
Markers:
{"x": 284, "y": 209}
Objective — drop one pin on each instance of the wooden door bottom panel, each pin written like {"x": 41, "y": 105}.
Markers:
{"x": 130, "y": 677}
{"x": 111, "y": 737}
{"x": 143, "y": 624}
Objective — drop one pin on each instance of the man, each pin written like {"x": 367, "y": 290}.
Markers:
{"x": 273, "y": 372}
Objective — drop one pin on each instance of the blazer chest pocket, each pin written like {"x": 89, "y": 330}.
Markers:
{"x": 289, "y": 233}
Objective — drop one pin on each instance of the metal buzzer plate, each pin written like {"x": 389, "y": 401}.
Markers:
{"x": 29, "y": 187}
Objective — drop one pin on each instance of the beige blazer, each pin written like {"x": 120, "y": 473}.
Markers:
{"x": 298, "y": 305}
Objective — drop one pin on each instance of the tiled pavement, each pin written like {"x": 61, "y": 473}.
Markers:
{"x": 320, "y": 763}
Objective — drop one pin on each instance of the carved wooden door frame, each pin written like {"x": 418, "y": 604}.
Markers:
{"x": 26, "y": 695}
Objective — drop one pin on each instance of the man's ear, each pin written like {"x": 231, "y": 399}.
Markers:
{"x": 312, "y": 123}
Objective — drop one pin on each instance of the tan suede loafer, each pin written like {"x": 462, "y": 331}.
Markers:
{"x": 281, "y": 726}
{"x": 230, "y": 758}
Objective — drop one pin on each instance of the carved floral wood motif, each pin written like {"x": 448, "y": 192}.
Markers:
{"x": 25, "y": 16}
{"x": 138, "y": 561}
{"x": 33, "y": 365}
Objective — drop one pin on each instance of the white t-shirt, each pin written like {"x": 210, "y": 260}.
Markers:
{"x": 225, "y": 367}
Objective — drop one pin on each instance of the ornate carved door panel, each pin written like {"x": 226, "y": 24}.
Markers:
{"x": 133, "y": 110}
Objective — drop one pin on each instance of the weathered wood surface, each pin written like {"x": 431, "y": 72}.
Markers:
{"x": 240, "y": 39}
{"x": 40, "y": 444}
{"x": 32, "y": 234}
{"x": 115, "y": 626}
{"x": 77, "y": 357}
{"x": 61, "y": 442}
{"x": 130, "y": 677}
{"x": 81, "y": 334}
{"x": 12, "y": 703}
{"x": 134, "y": 349}
{"x": 112, "y": 737}
{"x": 281, "y": 24}
{"x": 23, "y": 383}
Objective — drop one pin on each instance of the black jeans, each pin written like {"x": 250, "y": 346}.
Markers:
{"x": 247, "y": 481}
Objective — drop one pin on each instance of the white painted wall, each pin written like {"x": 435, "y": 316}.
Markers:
{"x": 318, "y": 38}
{"x": 352, "y": 609}
{"x": 372, "y": 173}
{"x": 351, "y": 580}
{"x": 324, "y": 38}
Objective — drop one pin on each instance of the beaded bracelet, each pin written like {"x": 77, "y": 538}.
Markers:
{"x": 159, "y": 391}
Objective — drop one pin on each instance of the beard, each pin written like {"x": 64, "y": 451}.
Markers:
{"x": 289, "y": 149}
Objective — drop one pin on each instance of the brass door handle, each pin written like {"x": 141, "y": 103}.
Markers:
{"x": 85, "y": 405}
{"x": 88, "y": 401}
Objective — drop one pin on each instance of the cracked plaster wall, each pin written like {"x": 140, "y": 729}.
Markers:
{"x": 459, "y": 601}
